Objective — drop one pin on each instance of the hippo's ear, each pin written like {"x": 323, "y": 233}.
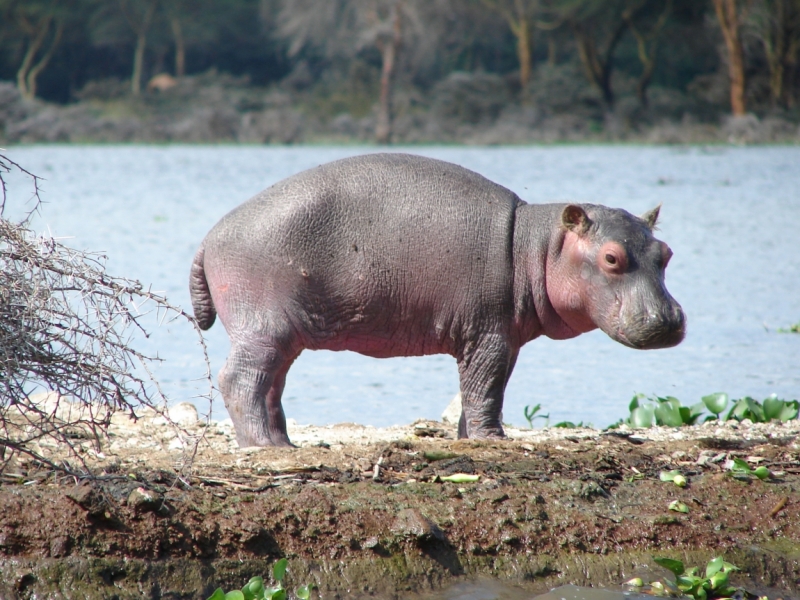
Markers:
{"x": 651, "y": 217}
{"x": 575, "y": 219}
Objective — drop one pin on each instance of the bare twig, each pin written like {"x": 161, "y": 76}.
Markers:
{"x": 66, "y": 328}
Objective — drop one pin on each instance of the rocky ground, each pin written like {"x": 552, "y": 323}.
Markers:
{"x": 176, "y": 512}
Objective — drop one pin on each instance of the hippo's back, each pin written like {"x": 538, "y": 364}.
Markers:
{"x": 368, "y": 244}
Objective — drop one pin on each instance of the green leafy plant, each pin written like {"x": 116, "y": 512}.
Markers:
{"x": 568, "y": 425}
{"x": 772, "y": 408}
{"x": 663, "y": 411}
{"x": 255, "y": 589}
{"x": 667, "y": 411}
{"x": 791, "y": 329}
{"x": 713, "y": 585}
{"x": 530, "y": 414}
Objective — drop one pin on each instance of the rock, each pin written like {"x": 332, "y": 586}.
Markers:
{"x": 59, "y": 546}
{"x": 183, "y": 414}
{"x": 452, "y": 413}
{"x": 410, "y": 522}
{"x": 88, "y": 498}
{"x": 143, "y": 500}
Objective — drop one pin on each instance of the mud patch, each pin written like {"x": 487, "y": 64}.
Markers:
{"x": 373, "y": 517}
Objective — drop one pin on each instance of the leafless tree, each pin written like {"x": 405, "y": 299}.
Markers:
{"x": 776, "y": 25}
{"x": 341, "y": 29}
{"x": 731, "y": 15}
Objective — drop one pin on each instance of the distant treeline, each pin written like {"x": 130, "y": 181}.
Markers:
{"x": 354, "y": 56}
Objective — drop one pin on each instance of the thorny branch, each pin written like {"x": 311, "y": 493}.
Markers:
{"x": 65, "y": 331}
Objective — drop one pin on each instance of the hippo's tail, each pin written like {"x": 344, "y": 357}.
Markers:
{"x": 202, "y": 303}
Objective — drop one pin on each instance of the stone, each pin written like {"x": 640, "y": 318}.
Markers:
{"x": 143, "y": 500}
{"x": 184, "y": 414}
{"x": 410, "y": 522}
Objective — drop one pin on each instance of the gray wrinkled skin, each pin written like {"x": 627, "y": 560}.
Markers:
{"x": 399, "y": 255}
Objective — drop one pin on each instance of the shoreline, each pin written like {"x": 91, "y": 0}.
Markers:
{"x": 369, "y": 512}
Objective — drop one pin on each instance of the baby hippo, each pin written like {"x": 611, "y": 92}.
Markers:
{"x": 400, "y": 255}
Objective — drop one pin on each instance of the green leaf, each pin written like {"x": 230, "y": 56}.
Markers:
{"x": 635, "y": 582}
{"x": 756, "y": 410}
{"x": 762, "y": 473}
{"x": 678, "y": 506}
{"x": 713, "y": 566}
{"x": 719, "y": 580}
{"x": 741, "y": 466}
{"x": 668, "y": 475}
{"x": 304, "y": 592}
{"x": 789, "y": 411}
{"x": 279, "y": 594}
{"x": 254, "y": 589}
{"x": 739, "y": 410}
{"x": 726, "y": 566}
{"x": 217, "y": 595}
{"x": 635, "y": 402}
{"x": 279, "y": 569}
{"x": 773, "y": 407}
{"x": 642, "y": 416}
{"x": 668, "y": 414}
{"x": 673, "y": 565}
{"x": 234, "y": 595}
{"x": 461, "y": 478}
{"x": 657, "y": 589}
{"x": 686, "y": 584}
{"x": 716, "y": 403}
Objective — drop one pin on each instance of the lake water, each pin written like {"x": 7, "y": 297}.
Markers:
{"x": 730, "y": 214}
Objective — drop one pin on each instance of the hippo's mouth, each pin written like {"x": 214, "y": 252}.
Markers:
{"x": 658, "y": 330}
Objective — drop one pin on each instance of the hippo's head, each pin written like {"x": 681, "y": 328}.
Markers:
{"x": 609, "y": 274}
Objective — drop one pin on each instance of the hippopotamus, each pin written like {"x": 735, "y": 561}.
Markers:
{"x": 400, "y": 255}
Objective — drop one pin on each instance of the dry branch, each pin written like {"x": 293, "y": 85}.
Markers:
{"x": 66, "y": 327}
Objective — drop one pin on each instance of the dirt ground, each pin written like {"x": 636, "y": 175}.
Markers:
{"x": 365, "y": 512}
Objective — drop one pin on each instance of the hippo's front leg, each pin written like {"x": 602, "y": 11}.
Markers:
{"x": 484, "y": 369}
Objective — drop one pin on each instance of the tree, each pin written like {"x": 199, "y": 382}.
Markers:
{"x": 776, "y": 24}
{"x": 598, "y": 27}
{"x": 41, "y": 25}
{"x": 519, "y": 14}
{"x": 139, "y": 14}
{"x": 731, "y": 14}
{"x": 646, "y": 44}
{"x": 341, "y": 29}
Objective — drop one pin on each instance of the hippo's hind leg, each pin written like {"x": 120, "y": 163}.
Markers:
{"x": 251, "y": 383}
{"x": 484, "y": 370}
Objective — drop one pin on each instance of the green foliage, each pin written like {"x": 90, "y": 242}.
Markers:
{"x": 530, "y": 414}
{"x": 714, "y": 584}
{"x": 791, "y": 329}
{"x": 568, "y": 425}
{"x": 739, "y": 469}
{"x": 668, "y": 411}
{"x": 645, "y": 412}
{"x": 255, "y": 589}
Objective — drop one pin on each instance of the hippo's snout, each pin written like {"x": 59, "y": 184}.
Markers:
{"x": 655, "y": 329}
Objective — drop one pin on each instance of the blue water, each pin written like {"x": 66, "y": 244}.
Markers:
{"x": 730, "y": 215}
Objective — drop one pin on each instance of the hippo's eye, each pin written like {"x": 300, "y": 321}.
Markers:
{"x": 611, "y": 259}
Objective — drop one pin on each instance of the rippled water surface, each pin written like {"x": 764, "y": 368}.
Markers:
{"x": 731, "y": 216}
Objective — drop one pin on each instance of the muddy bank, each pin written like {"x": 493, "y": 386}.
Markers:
{"x": 465, "y": 109}
{"x": 368, "y": 512}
